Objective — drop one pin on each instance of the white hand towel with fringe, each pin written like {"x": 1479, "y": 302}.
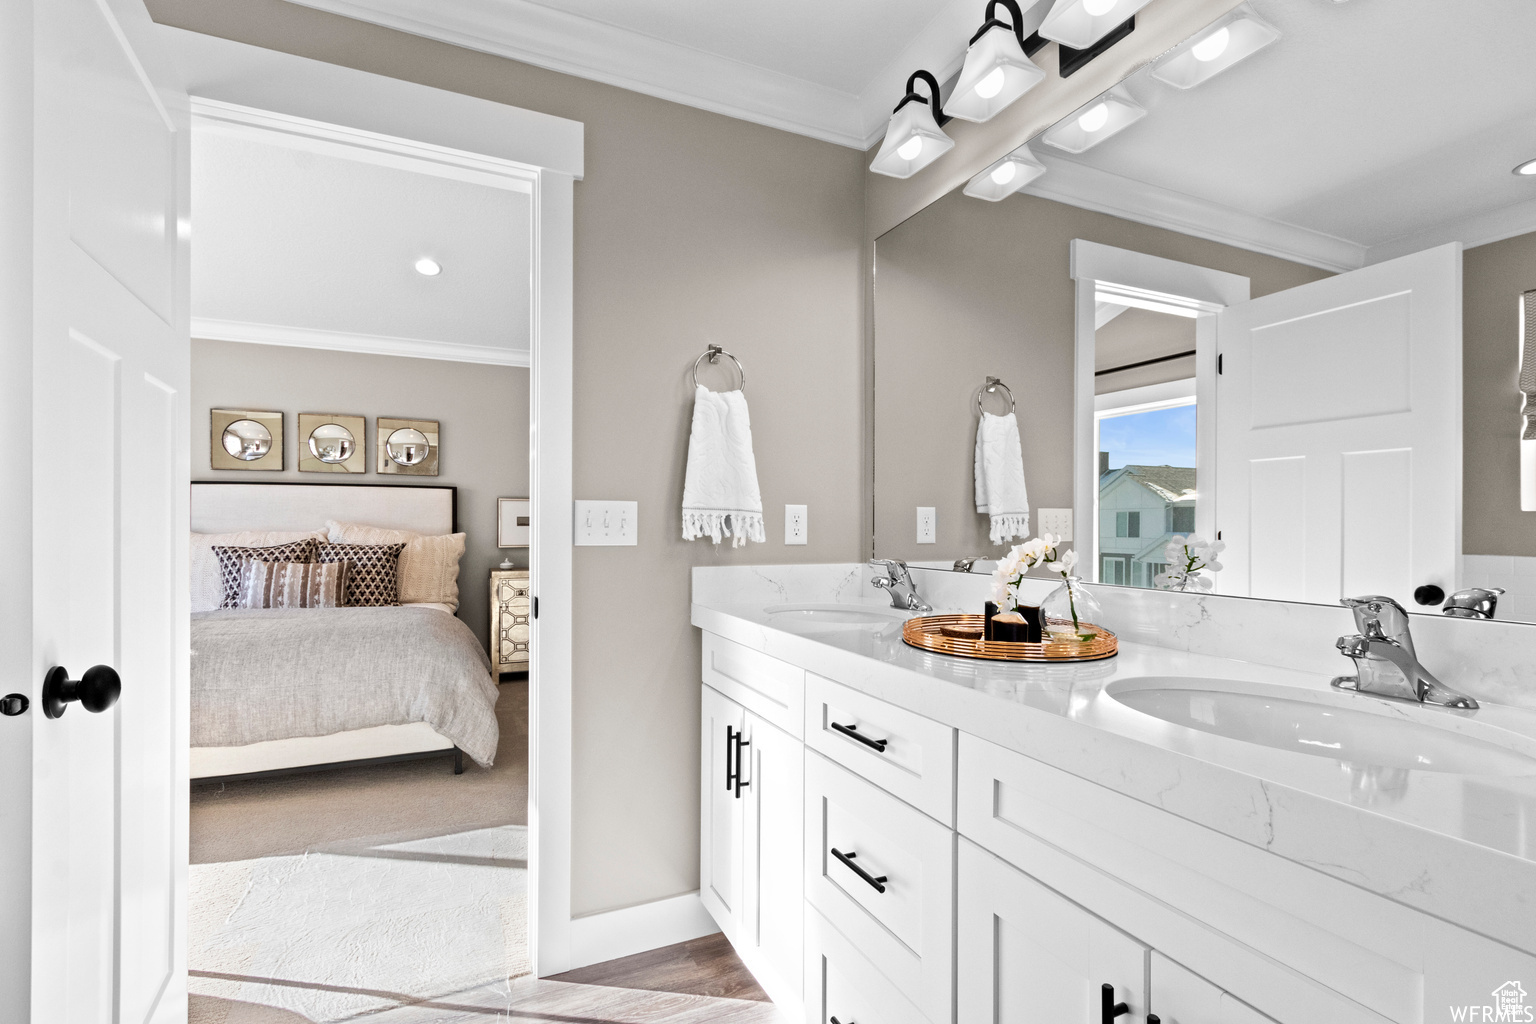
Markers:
{"x": 1000, "y": 490}
{"x": 720, "y": 495}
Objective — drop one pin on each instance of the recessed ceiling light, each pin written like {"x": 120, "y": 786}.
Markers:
{"x": 428, "y": 267}
{"x": 1527, "y": 169}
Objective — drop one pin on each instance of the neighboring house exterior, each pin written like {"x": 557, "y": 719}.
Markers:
{"x": 1140, "y": 507}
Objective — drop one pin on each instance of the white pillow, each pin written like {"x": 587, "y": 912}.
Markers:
{"x": 208, "y": 582}
{"x": 429, "y": 566}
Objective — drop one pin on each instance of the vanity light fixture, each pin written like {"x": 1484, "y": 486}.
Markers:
{"x": 428, "y": 267}
{"x": 914, "y": 139}
{"x": 1006, "y": 176}
{"x": 1081, "y": 23}
{"x": 1527, "y": 169}
{"x": 1221, "y": 44}
{"x": 997, "y": 67}
{"x": 1094, "y": 122}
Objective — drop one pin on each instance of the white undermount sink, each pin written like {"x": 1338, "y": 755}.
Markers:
{"x": 1343, "y": 726}
{"x": 834, "y": 614}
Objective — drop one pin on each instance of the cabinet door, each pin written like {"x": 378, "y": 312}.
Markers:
{"x": 722, "y": 811}
{"x": 1180, "y": 996}
{"x": 773, "y": 895}
{"x": 1028, "y": 955}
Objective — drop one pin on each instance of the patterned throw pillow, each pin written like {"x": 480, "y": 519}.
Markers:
{"x": 291, "y": 584}
{"x": 372, "y": 576}
{"x": 429, "y": 565}
{"x": 230, "y": 559}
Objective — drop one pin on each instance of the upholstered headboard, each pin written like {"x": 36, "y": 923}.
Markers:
{"x": 220, "y": 507}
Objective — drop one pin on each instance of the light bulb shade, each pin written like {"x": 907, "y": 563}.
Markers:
{"x": 1247, "y": 34}
{"x": 1120, "y": 112}
{"x": 1025, "y": 170}
{"x": 1070, "y": 24}
{"x": 997, "y": 50}
{"x": 912, "y": 120}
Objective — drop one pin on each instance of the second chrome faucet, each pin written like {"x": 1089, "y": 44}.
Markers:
{"x": 1385, "y": 659}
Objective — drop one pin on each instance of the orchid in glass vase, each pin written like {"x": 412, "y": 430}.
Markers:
{"x": 1067, "y": 611}
{"x": 1188, "y": 558}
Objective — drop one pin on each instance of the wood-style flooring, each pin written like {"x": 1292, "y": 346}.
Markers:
{"x": 700, "y": 967}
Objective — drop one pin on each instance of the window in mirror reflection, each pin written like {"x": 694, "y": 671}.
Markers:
{"x": 1147, "y": 489}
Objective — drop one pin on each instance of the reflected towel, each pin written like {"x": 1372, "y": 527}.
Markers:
{"x": 1000, "y": 490}
{"x": 720, "y": 495}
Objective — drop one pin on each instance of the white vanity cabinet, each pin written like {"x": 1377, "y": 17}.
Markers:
{"x": 751, "y": 816}
{"x": 1179, "y": 996}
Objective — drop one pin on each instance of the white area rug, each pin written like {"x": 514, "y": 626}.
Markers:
{"x": 346, "y": 931}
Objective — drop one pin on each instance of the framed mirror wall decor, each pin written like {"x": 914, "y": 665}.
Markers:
{"x": 332, "y": 443}
{"x": 407, "y": 447}
{"x": 1279, "y": 306}
{"x": 245, "y": 439}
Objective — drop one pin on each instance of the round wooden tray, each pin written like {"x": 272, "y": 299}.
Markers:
{"x": 923, "y": 633}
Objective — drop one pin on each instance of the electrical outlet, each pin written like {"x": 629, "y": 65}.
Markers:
{"x": 927, "y": 525}
{"x": 607, "y": 523}
{"x": 796, "y": 520}
{"x": 1055, "y": 521}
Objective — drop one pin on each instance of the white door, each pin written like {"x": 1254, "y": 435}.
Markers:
{"x": 1338, "y": 450}
{"x": 774, "y": 920}
{"x": 1027, "y": 954}
{"x": 105, "y": 542}
{"x": 1180, "y": 996}
{"x": 722, "y": 809}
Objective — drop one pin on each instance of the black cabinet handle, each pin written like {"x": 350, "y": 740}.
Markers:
{"x": 730, "y": 773}
{"x": 96, "y": 691}
{"x": 1108, "y": 1008}
{"x": 878, "y": 884}
{"x": 834, "y": 1020}
{"x": 852, "y": 731}
{"x": 740, "y": 782}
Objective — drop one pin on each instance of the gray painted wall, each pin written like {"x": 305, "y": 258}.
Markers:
{"x": 482, "y": 412}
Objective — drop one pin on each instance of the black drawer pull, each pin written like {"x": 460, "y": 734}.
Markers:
{"x": 1108, "y": 1008}
{"x": 878, "y": 884}
{"x": 834, "y": 1020}
{"x": 730, "y": 773}
{"x": 852, "y": 731}
{"x": 1153, "y": 1018}
{"x": 740, "y": 782}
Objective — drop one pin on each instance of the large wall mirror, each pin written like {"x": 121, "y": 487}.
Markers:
{"x": 1282, "y": 306}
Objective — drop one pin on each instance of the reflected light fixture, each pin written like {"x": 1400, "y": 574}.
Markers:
{"x": 1239, "y": 34}
{"x": 1526, "y": 169}
{"x": 1094, "y": 122}
{"x": 1005, "y": 177}
{"x": 1081, "y": 23}
{"x": 428, "y": 267}
{"x": 914, "y": 139}
{"x": 997, "y": 69}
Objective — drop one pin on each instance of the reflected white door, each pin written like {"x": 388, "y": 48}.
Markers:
{"x": 107, "y": 535}
{"x": 1338, "y": 449}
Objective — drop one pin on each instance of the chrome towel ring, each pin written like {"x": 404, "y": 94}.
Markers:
{"x": 713, "y": 354}
{"x": 992, "y": 386}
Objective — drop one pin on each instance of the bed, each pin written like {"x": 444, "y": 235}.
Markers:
{"x": 277, "y": 690}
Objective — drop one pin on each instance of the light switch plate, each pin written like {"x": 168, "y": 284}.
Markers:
{"x": 607, "y": 523}
{"x": 927, "y": 525}
{"x": 796, "y": 524}
{"x": 1055, "y": 521}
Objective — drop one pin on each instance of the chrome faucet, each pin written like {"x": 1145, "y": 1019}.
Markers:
{"x": 1385, "y": 658}
{"x": 1473, "y": 603}
{"x": 967, "y": 563}
{"x": 898, "y": 580}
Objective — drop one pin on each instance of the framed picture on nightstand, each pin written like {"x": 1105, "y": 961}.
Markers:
{"x": 514, "y": 522}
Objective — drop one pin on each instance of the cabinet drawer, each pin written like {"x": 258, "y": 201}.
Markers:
{"x": 843, "y": 986}
{"x": 902, "y": 915}
{"x": 903, "y": 753}
{"x": 772, "y": 689}
{"x": 1180, "y": 996}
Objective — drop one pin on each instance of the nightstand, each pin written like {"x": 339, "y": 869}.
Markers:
{"x": 511, "y": 620}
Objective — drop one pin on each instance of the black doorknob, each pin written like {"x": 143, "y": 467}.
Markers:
{"x": 96, "y": 691}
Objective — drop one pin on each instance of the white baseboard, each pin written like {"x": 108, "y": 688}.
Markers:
{"x": 615, "y": 933}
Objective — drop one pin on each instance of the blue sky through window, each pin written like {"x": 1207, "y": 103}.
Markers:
{"x": 1162, "y": 437}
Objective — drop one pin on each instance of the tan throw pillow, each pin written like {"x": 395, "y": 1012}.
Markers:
{"x": 208, "y": 580}
{"x": 429, "y": 565}
{"x": 372, "y": 576}
{"x": 231, "y": 560}
{"x": 291, "y": 584}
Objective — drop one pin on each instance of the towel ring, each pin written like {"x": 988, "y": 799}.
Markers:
{"x": 992, "y": 386}
{"x": 713, "y": 354}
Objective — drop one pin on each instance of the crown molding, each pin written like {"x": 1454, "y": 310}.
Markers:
{"x": 1478, "y": 229}
{"x": 574, "y": 45}
{"x": 1092, "y": 189}
{"x": 345, "y": 341}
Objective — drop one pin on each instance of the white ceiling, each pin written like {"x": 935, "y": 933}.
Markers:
{"x": 291, "y": 245}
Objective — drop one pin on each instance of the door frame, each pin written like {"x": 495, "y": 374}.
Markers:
{"x": 1154, "y": 282}
{"x": 467, "y": 136}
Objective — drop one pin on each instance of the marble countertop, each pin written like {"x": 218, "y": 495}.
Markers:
{"x": 1460, "y": 847}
